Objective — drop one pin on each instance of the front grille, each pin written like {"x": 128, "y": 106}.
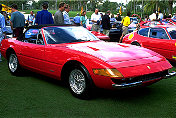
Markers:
{"x": 142, "y": 78}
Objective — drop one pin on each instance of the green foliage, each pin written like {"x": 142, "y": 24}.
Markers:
{"x": 149, "y": 6}
{"x": 107, "y": 5}
{"x": 18, "y": 3}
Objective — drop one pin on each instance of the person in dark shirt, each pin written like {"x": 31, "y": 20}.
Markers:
{"x": 106, "y": 23}
{"x": 44, "y": 17}
{"x": 118, "y": 18}
{"x": 17, "y": 21}
{"x": 58, "y": 16}
{"x": 2, "y": 28}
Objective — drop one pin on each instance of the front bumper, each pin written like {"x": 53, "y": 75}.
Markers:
{"x": 172, "y": 74}
{"x": 129, "y": 85}
{"x": 139, "y": 83}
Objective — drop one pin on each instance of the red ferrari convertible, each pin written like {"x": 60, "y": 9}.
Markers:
{"x": 79, "y": 58}
{"x": 161, "y": 39}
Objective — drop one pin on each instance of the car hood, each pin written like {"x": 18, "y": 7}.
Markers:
{"x": 112, "y": 52}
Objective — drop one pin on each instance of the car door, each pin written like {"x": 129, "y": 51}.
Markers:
{"x": 172, "y": 33}
{"x": 158, "y": 41}
{"x": 32, "y": 51}
{"x": 55, "y": 50}
{"x": 173, "y": 47}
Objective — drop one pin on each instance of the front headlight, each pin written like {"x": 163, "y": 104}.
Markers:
{"x": 107, "y": 72}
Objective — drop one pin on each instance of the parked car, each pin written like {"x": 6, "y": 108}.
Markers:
{"x": 134, "y": 20}
{"x": 79, "y": 58}
{"x": 115, "y": 32}
{"x": 145, "y": 24}
{"x": 101, "y": 36}
{"x": 173, "y": 21}
{"x": 161, "y": 39}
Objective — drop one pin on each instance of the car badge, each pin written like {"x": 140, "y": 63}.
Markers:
{"x": 148, "y": 67}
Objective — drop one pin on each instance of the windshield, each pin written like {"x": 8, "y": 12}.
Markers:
{"x": 58, "y": 35}
{"x": 172, "y": 32}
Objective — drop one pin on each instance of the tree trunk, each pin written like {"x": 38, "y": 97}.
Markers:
{"x": 157, "y": 2}
{"x": 170, "y": 6}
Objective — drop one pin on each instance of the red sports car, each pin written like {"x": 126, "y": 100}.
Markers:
{"x": 161, "y": 39}
{"x": 101, "y": 36}
{"x": 145, "y": 24}
{"x": 173, "y": 21}
{"x": 79, "y": 58}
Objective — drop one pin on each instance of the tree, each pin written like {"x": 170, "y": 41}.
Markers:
{"x": 170, "y": 6}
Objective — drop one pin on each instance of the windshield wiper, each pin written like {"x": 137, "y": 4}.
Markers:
{"x": 79, "y": 40}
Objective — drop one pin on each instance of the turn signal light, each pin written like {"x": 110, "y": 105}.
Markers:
{"x": 107, "y": 72}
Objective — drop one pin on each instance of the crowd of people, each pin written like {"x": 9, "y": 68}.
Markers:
{"x": 100, "y": 23}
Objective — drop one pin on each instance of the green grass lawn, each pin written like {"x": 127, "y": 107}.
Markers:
{"x": 33, "y": 95}
{"x": 71, "y": 13}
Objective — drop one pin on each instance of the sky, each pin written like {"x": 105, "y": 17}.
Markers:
{"x": 119, "y": 1}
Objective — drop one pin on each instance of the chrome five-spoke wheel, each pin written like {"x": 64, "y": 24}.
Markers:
{"x": 77, "y": 81}
{"x": 13, "y": 63}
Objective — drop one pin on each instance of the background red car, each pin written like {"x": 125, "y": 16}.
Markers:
{"x": 101, "y": 36}
{"x": 161, "y": 39}
{"x": 145, "y": 24}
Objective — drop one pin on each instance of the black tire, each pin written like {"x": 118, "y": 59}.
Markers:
{"x": 13, "y": 64}
{"x": 136, "y": 44}
{"x": 79, "y": 82}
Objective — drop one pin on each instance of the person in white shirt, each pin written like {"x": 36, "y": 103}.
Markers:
{"x": 96, "y": 19}
{"x": 153, "y": 16}
{"x": 31, "y": 18}
{"x": 160, "y": 15}
{"x": 174, "y": 16}
{"x": 66, "y": 15}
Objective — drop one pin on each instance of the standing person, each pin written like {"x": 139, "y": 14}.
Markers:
{"x": 106, "y": 23}
{"x": 44, "y": 17}
{"x": 125, "y": 22}
{"x": 146, "y": 18}
{"x": 112, "y": 19}
{"x": 160, "y": 15}
{"x": 174, "y": 16}
{"x": 153, "y": 16}
{"x": 83, "y": 19}
{"x": 2, "y": 28}
{"x": 17, "y": 21}
{"x": 34, "y": 19}
{"x": 58, "y": 16}
{"x": 96, "y": 18}
{"x": 170, "y": 16}
{"x": 6, "y": 18}
{"x": 101, "y": 28}
{"x": 66, "y": 15}
{"x": 118, "y": 18}
{"x": 31, "y": 18}
{"x": 77, "y": 19}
